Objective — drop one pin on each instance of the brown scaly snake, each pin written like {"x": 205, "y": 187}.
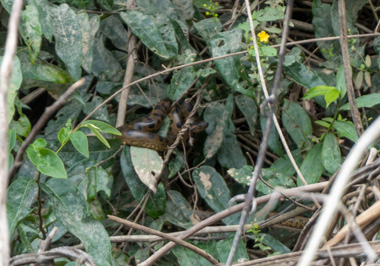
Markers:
{"x": 140, "y": 133}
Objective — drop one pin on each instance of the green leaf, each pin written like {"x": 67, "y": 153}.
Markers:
{"x": 331, "y": 96}
{"x": 341, "y": 81}
{"x": 79, "y": 140}
{"x": 214, "y": 191}
{"x": 70, "y": 207}
{"x": 91, "y": 185}
{"x": 229, "y": 68}
{"x": 166, "y": 29}
{"x": 20, "y": 196}
{"x": 230, "y": 153}
{"x": 148, "y": 166}
{"x": 11, "y": 139}
{"x": 179, "y": 211}
{"x": 276, "y": 179}
{"x": 358, "y": 81}
{"x": 176, "y": 164}
{"x": 274, "y": 139}
{"x": 46, "y": 161}
{"x": 144, "y": 27}
{"x": 296, "y": 71}
{"x": 217, "y": 117}
{"x": 68, "y": 38}
{"x": 249, "y": 109}
{"x": 30, "y": 29}
{"x": 64, "y": 133}
{"x": 207, "y": 28}
{"x": 153, "y": 7}
{"x": 14, "y": 85}
{"x": 181, "y": 81}
{"x": 346, "y": 129}
{"x": 95, "y": 130}
{"x": 323, "y": 22}
{"x": 43, "y": 71}
{"x": 271, "y": 13}
{"x": 317, "y": 91}
{"x": 365, "y": 101}
{"x": 184, "y": 9}
{"x": 107, "y": 4}
{"x": 297, "y": 123}
{"x": 187, "y": 257}
{"x": 101, "y": 126}
{"x": 40, "y": 143}
{"x": 312, "y": 167}
{"x": 223, "y": 249}
{"x": 22, "y": 126}
{"x": 267, "y": 51}
{"x": 331, "y": 157}
{"x": 104, "y": 181}
{"x": 44, "y": 16}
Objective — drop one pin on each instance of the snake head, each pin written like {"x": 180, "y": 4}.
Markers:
{"x": 198, "y": 126}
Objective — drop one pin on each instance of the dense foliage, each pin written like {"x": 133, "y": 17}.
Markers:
{"x": 72, "y": 177}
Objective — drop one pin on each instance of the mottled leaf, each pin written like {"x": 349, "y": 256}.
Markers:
{"x": 89, "y": 28}
{"x": 14, "y": 85}
{"x": 144, "y": 27}
{"x": 20, "y": 195}
{"x": 68, "y": 38}
{"x": 148, "y": 166}
{"x": 214, "y": 191}
{"x": 30, "y": 29}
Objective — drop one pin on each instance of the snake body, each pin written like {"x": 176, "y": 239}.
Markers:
{"x": 141, "y": 132}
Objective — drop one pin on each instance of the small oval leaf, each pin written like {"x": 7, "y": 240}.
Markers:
{"x": 331, "y": 157}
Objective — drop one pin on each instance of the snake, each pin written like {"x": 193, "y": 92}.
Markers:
{"x": 142, "y": 132}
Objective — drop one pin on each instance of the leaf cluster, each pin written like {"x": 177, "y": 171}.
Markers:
{"x": 73, "y": 176}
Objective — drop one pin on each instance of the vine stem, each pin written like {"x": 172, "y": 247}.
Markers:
{"x": 271, "y": 101}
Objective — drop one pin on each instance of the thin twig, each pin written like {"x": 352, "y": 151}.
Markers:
{"x": 165, "y": 236}
{"x": 225, "y": 213}
{"x": 45, "y": 256}
{"x": 264, "y": 143}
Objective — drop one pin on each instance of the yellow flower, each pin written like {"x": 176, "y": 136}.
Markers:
{"x": 207, "y": 13}
{"x": 263, "y": 36}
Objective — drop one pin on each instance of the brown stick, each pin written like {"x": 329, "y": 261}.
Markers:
{"x": 5, "y": 77}
{"x": 362, "y": 220}
{"x": 347, "y": 68}
{"x": 131, "y": 47}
